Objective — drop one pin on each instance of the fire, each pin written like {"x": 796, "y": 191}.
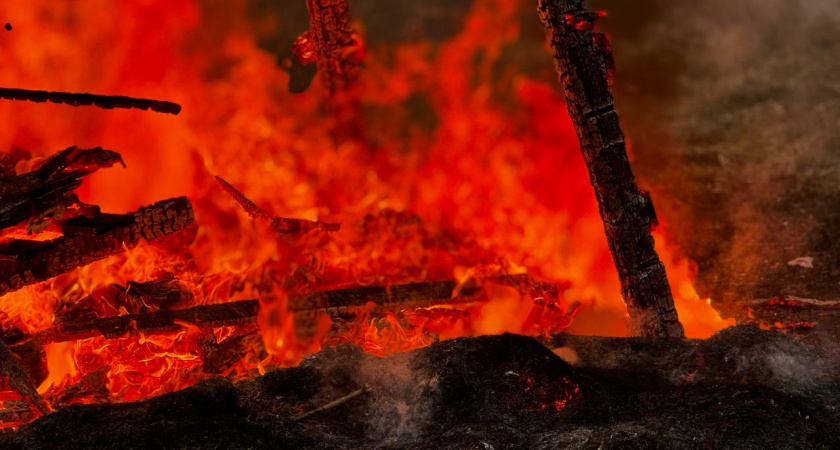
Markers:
{"x": 463, "y": 169}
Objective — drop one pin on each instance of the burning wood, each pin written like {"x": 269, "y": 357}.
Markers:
{"x": 336, "y": 303}
{"x": 89, "y": 239}
{"x": 281, "y": 224}
{"x": 584, "y": 69}
{"x": 102, "y": 101}
{"x": 94, "y": 386}
{"x": 133, "y": 298}
{"x": 17, "y": 386}
{"x": 46, "y": 191}
{"x": 331, "y": 42}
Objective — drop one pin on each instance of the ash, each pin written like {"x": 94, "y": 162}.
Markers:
{"x": 743, "y": 389}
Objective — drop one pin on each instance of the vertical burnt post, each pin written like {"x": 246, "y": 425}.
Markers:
{"x": 339, "y": 52}
{"x": 584, "y": 62}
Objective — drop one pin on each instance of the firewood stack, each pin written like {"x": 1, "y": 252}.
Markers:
{"x": 46, "y": 231}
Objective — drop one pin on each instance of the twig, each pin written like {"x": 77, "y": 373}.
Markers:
{"x": 331, "y": 404}
{"x": 281, "y": 224}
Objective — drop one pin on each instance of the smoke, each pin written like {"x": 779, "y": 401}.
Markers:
{"x": 731, "y": 110}
{"x": 398, "y": 401}
{"x": 401, "y": 400}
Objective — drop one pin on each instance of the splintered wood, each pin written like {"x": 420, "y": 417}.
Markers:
{"x": 43, "y": 197}
{"x": 281, "y": 224}
{"x": 46, "y": 192}
{"x": 584, "y": 62}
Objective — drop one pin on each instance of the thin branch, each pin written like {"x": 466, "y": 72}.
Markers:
{"x": 102, "y": 101}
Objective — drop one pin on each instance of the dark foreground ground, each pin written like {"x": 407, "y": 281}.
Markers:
{"x": 742, "y": 389}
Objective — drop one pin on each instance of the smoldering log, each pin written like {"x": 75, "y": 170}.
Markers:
{"x": 336, "y": 303}
{"x": 583, "y": 61}
{"x": 90, "y": 239}
{"x": 101, "y": 101}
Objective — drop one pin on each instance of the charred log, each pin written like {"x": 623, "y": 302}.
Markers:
{"x": 581, "y": 60}
{"x": 90, "y": 239}
{"x": 280, "y": 224}
{"x": 339, "y": 52}
{"x": 101, "y": 101}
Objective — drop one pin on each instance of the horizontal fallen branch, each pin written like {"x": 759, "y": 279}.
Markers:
{"x": 90, "y": 239}
{"x": 336, "y": 303}
{"x": 102, "y": 101}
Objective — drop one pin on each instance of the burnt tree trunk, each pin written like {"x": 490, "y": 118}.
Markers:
{"x": 584, "y": 62}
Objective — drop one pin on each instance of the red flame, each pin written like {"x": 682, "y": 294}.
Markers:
{"x": 491, "y": 182}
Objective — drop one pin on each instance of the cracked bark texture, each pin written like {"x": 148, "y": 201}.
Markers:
{"x": 584, "y": 63}
{"x": 332, "y": 36}
{"x": 90, "y": 239}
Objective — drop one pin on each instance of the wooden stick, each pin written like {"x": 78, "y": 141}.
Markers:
{"x": 583, "y": 61}
{"x": 102, "y": 101}
{"x": 331, "y": 404}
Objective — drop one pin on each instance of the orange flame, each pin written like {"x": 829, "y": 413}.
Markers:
{"x": 466, "y": 168}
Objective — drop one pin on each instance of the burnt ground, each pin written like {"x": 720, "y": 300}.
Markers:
{"x": 742, "y": 389}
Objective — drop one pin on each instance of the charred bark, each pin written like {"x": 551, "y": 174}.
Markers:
{"x": 339, "y": 52}
{"x": 331, "y": 42}
{"x": 102, "y": 101}
{"x": 16, "y": 384}
{"x": 583, "y": 61}
{"x": 46, "y": 191}
{"x": 87, "y": 240}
